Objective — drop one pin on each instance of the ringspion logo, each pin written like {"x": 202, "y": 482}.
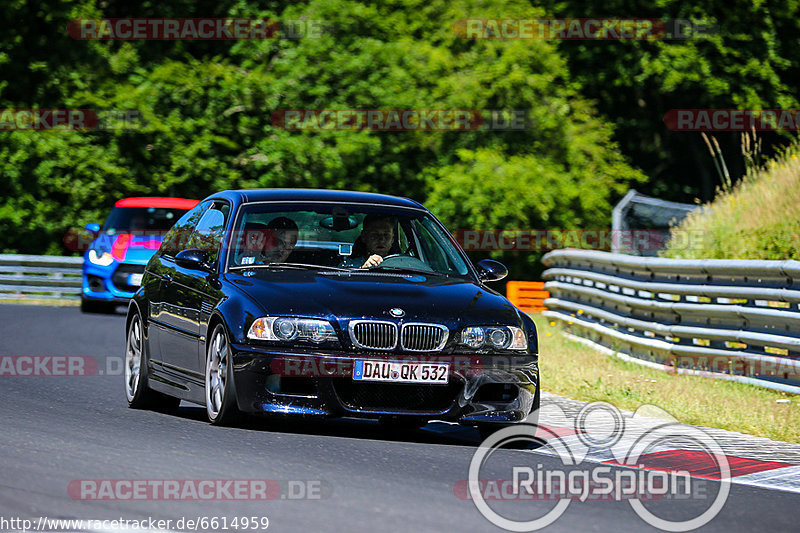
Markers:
{"x": 598, "y": 426}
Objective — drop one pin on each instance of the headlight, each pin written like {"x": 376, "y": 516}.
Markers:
{"x": 473, "y": 337}
{"x": 500, "y": 337}
{"x": 105, "y": 258}
{"x": 270, "y": 328}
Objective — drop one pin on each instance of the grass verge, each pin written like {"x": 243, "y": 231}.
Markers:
{"x": 577, "y": 371}
{"x": 33, "y": 301}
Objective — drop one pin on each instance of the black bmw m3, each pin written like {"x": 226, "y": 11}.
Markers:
{"x": 326, "y": 303}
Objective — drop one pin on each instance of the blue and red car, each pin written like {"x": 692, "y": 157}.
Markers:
{"x": 114, "y": 262}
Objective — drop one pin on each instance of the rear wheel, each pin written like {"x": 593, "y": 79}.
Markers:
{"x": 137, "y": 391}
{"x": 221, "y": 405}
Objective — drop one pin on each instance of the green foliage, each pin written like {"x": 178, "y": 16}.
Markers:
{"x": 207, "y": 110}
{"x": 749, "y": 61}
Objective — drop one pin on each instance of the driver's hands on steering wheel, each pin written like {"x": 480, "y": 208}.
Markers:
{"x": 373, "y": 260}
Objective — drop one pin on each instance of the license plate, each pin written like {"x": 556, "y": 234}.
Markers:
{"x": 393, "y": 372}
{"x": 135, "y": 279}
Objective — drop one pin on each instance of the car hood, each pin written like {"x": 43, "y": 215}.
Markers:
{"x": 137, "y": 249}
{"x": 343, "y": 296}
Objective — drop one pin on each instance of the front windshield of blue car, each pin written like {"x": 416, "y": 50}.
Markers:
{"x": 141, "y": 219}
{"x": 348, "y": 237}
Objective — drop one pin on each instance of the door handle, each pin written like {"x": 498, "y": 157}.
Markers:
{"x": 167, "y": 278}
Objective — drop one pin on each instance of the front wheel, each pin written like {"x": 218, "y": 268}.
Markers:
{"x": 221, "y": 405}
{"x": 137, "y": 391}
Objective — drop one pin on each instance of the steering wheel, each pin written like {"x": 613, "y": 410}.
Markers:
{"x": 404, "y": 261}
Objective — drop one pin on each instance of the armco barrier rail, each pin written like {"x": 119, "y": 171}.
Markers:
{"x": 730, "y": 319}
{"x": 40, "y": 277}
{"x": 527, "y": 295}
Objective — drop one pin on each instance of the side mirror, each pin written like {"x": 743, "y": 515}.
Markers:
{"x": 93, "y": 228}
{"x": 194, "y": 259}
{"x": 490, "y": 270}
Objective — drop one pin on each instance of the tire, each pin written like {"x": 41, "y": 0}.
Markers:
{"x": 137, "y": 391}
{"x": 220, "y": 394}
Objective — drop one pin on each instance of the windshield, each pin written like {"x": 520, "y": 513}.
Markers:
{"x": 141, "y": 219}
{"x": 354, "y": 238}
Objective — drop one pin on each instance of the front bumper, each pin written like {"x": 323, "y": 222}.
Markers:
{"x": 480, "y": 388}
{"x": 109, "y": 283}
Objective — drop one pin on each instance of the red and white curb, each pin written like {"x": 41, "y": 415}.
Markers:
{"x": 751, "y": 460}
{"x": 743, "y": 470}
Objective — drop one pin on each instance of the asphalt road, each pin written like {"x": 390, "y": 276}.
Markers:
{"x": 58, "y": 430}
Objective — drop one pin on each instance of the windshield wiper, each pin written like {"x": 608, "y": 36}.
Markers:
{"x": 295, "y": 266}
{"x": 405, "y": 269}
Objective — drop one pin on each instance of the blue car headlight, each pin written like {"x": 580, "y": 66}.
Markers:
{"x": 498, "y": 337}
{"x": 271, "y": 328}
{"x": 104, "y": 259}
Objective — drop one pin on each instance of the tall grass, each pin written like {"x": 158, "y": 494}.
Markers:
{"x": 758, "y": 218}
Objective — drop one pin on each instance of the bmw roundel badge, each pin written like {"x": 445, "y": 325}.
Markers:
{"x": 396, "y": 311}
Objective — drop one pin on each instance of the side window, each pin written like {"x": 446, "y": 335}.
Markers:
{"x": 439, "y": 258}
{"x": 210, "y": 229}
{"x": 405, "y": 237}
{"x": 430, "y": 250}
{"x": 177, "y": 238}
{"x": 445, "y": 257}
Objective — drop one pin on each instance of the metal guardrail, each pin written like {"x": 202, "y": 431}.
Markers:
{"x": 40, "y": 277}
{"x": 729, "y": 319}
